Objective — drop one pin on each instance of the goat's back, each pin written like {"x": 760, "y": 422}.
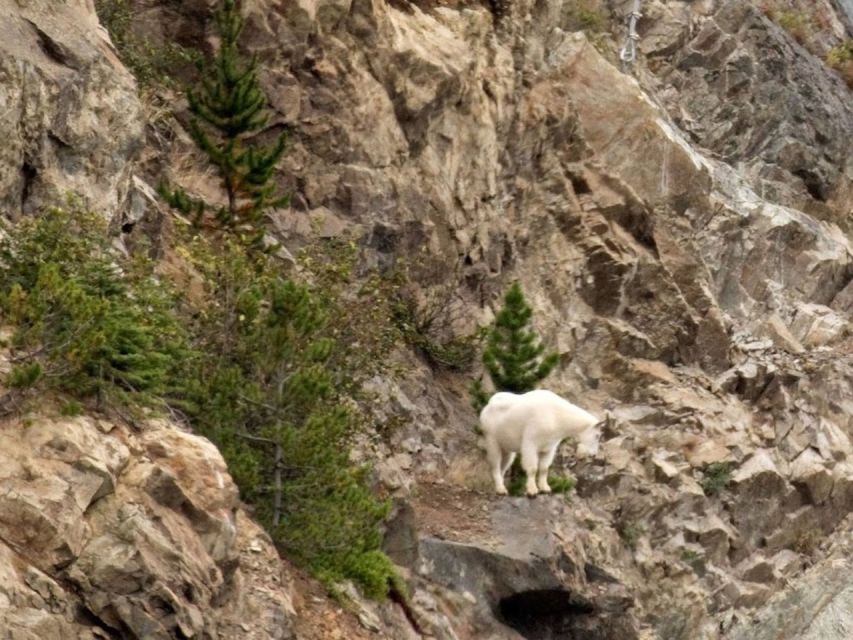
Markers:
{"x": 508, "y": 414}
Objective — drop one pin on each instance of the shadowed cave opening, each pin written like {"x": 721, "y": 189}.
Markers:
{"x": 550, "y": 614}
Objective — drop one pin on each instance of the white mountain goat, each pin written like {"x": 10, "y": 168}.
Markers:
{"x": 534, "y": 424}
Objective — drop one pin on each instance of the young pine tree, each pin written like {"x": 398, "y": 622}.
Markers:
{"x": 86, "y": 321}
{"x": 271, "y": 398}
{"x": 228, "y": 108}
{"x": 514, "y": 357}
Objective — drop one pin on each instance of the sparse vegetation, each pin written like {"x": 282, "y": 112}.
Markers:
{"x": 562, "y": 485}
{"x": 797, "y": 23}
{"x": 559, "y": 485}
{"x": 808, "y": 541}
{"x": 426, "y": 320}
{"x": 840, "y": 58}
{"x": 716, "y": 477}
{"x": 587, "y": 15}
{"x": 690, "y": 555}
{"x": 630, "y": 532}
{"x": 149, "y": 63}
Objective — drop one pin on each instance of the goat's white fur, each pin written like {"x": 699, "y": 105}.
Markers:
{"x": 533, "y": 424}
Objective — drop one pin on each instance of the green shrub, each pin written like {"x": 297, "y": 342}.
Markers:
{"x": 690, "y": 555}
{"x": 24, "y": 376}
{"x": 275, "y": 389}
{"x": 716, "y": 476}
{"x": 630, "y": 532}
{"x": 517, "y": 485}
{"x": 90, "y": 327}
{"x": 71, "y": 409}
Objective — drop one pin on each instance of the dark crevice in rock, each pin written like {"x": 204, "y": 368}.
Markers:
{"x": 53, "y": 49}
{"x": 86, "y": 616}
{"x": 28, "y": 174}
{"x": 579, "y": 185}
{"x": 542, "y": 614}
{"x": 814, "y": 185}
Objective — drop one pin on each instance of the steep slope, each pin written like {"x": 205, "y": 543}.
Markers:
{"x": 684, "y": 235}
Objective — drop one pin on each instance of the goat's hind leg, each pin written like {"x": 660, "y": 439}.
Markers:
{"x": 530, "y": 463}
{"x": 495, "y": 456}
{"x": 545, "y": 460}
{"x": 508, "y": 459}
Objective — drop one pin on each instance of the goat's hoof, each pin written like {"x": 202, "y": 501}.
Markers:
{"x": 548, "y": 490}
{"x": 502, "y": 492}
{"x": 532, "y": 495}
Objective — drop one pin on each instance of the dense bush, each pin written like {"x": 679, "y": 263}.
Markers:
{"x": 83, "y": 322}
{"x": 276, "y": 383}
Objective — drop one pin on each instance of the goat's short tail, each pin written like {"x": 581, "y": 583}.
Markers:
{"x": 496, "y": 405}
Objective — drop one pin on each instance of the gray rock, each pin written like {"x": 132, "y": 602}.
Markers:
{"x": 71, "y": 120}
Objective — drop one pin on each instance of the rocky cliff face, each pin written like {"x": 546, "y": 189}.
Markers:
{"x": 686, "y": 238}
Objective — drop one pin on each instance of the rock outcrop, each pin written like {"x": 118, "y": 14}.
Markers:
{"x": 110, "y": 532}
{"x": 684, "y": 234}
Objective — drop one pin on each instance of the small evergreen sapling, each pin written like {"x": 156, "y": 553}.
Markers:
{"x": 228, "y": 108}
{"x": 514, "y": 357}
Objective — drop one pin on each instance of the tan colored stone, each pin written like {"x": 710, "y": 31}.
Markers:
{"x": 808, "y": 470}
{"x": 775, "y": 329}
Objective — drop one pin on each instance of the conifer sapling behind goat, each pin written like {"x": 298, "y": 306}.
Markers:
{"x": 514, "y": 357}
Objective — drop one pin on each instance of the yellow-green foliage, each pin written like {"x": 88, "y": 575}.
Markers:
{"x": 840, "y": 58}
{"x": 798, "y": 24}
